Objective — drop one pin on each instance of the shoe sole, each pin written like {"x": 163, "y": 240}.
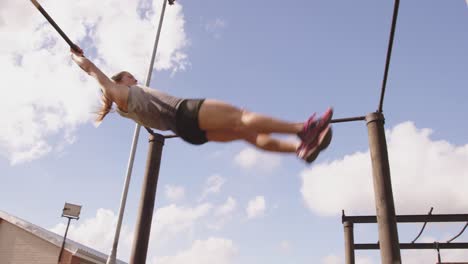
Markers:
{"x": 325, "y": 138}
{"x": 325, "y": 124}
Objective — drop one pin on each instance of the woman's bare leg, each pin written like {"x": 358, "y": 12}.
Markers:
{"x": 216, "y": 115}
{"x": 261, "y": 141}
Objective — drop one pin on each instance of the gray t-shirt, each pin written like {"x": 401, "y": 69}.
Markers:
{"x": 152, "y": 108}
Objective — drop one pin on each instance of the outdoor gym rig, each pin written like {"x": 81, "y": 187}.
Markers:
{"x": 350, "y": 246}
{"x": 386, "y": 219}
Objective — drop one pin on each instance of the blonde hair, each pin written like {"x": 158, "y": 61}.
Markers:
{"x": 106, "y": 103}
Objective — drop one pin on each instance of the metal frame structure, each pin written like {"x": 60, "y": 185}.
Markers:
{"x": 386, "y": 219}
{"x": 388, "y": 235}
{"x": 385, "y": 208}
{"x": 351, "y": 246}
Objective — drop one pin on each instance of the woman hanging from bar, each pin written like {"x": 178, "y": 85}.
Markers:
{"x": 198, "y": 121}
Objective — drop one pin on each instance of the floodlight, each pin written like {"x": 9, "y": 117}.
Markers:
{"x": 71, "y": 211}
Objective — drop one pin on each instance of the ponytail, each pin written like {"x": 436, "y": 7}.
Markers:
{"x": 106, "y": 106}
{"x": 106, "y": 103}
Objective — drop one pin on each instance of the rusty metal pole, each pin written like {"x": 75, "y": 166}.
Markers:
{"x": 386, "y": 219}
{"x": 145, "y": 214}
{"x": 349, "y": 242}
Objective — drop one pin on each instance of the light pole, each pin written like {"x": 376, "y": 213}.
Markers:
{"x": 70, "y": 211}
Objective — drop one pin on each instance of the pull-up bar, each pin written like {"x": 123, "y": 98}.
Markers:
{"x": 338, "y": 120}
{"x": 348, "y": 119}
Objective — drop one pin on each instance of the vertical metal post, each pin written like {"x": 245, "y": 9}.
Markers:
{"x": 113, "y": 255}
{"x": 349, "y": 242}
{"x": 64, "y": 238}
{"x": 439, "y": 260}
{"x": 145, "y": 214}
{"x": 386, "y": 219}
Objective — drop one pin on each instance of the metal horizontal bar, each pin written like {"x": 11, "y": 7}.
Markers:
{"x": 171, "y": 136}
{"x": 366, "y": 219}
{"x": 339, "y": 120}
{"x": 349, "y": 119}
{"x": 452, "y": 263}
{"x": 372, "y": 246}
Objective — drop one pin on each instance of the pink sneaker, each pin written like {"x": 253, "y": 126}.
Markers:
{"x": 312, "y": 126}
{"x": 309, "y": 152}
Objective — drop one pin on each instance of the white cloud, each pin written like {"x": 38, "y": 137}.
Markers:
{"x": 215, "y": 27}
{"x": 366, "y": 260}
{"x": 172, "y": 220}
{"x": 213, "y": 185}
{"x": 223, "y": 214}
{"x": 250, "y": 158}
{"x": 43, "y": 100}
{"x": 168, "y": 224}
{"x": 285, "y": 247}
{"x": 424, "y": 173}
{"x": 48, "y": 96}
{"x": 98, "y": 232}
{"x": 171, "y": 55}
{"x": 174, "y": 192}
{"x": 430, "y": 256}
{"x": 210, "y": 251}
{"x": 256, "y": 207}
{"x": 227, "y": 208}
{"x": 332, "y": 259}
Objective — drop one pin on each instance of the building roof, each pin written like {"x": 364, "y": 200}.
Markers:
{"x": 75, "y": 248}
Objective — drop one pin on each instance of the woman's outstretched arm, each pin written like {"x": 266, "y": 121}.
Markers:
{"x": 89, "y": 67}
{"x": 115, "y": 92}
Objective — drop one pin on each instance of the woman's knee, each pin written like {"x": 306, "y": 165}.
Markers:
{"x": 265, "y": 141}
{"x": 246, "y": 117}
{"x": 242, "y": 121}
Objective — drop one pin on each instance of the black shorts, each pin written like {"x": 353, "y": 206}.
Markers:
{"x": 187, "y": 122}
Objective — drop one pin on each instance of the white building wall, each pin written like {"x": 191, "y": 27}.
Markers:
{"x": 20, "y": 247}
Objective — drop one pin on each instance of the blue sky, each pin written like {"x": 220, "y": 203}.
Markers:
{"x": 228, "y": 203}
